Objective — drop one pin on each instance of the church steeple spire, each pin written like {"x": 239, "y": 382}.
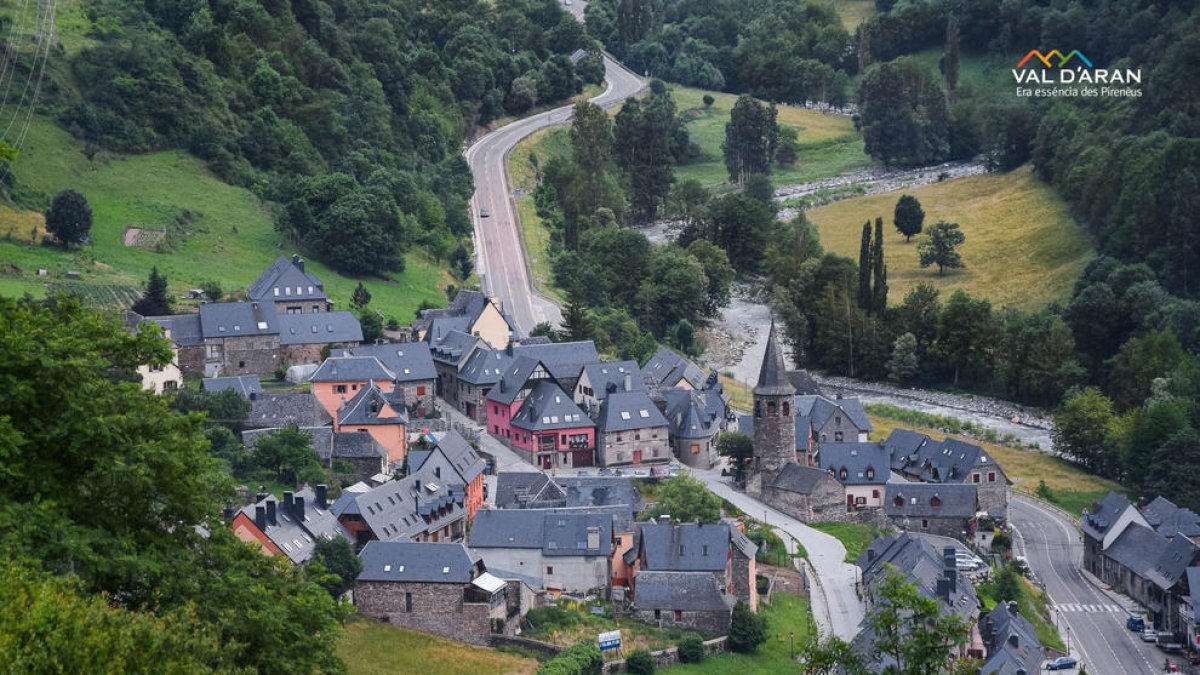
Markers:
{"x": 772, "y": 376}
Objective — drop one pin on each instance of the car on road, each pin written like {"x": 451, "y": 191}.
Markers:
{"x": 1136, "y": 623}
{"x": 484, "y": 213}
{"x": 606, "y": 472}
{"x": 1062, "y": 663}
{"x": 1149, "y": 635}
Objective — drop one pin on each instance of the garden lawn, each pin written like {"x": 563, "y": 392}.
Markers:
{"x": 1022, "y": 246}
{"x": 371, "y": 648}
{"x": 854, "y": 536}
{"x": 785, "y": 614}
{"x": 1072, "y": 487}
{"x": 577, "y": 624}
{"x": 231, "y": 238}
{"x": 829, "y": 145}
{"x": 854, "y": 12}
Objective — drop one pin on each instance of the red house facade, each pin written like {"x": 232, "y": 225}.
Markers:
{"x": 550, "y": 431}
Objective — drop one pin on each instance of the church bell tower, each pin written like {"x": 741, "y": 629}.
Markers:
{"x": 774, "y": 415}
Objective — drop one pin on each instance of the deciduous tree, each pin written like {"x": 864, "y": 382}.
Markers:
{"x": 685, "y": 499}
{"x": 750, "y": 139}
{"x": 69, "y": 217}
{"x": 908, "y": 217}
{"x": 941, "y": 247}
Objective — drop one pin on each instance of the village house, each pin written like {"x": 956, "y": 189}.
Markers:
{"x": 1012, "y": 642}
{"x": 683, "y": 600}
{"x": 275, "y": 411}
{"x": 550, "y": 431}
{"x": 695, "y": 420}
{"x": 806, "y": 447}
{"x": 289, "y": 289}
{"x": 563, "y": 550}
{"x": 467, "y": 369}
{"x": 438, "y": 588}
{"x": 837, "y": 420}
{"x": 449, "y": 455}
{"x": 381, "y": 415}
{"x": 668, "y": 370}
{"x": 863, "y": 468}
{"x": 472, "y": 313}
{"x": 160, "y": 378}
{"x": 412, "y": 372}
{"x": 291, "y": 527}
{"x": 917, "y": 457}
{"x": 631, "y": 430}
{"x": 536, "y": 490}
{"x": 946, "y": 509}
{"x": 338, "y": 379}
{"x": 600, "y": 379}
{"x": 719, "y": 550}
{"x": 807, "y": 493}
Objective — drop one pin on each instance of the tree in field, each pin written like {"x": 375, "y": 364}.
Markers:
{"x": 685, "y": 499}
{"x": 965, "y": 332}
{"x": 940, "y": 247}
{"x": 908, "y": 217}
{"x": 739, "y": 448}
{"x": 864, "y": 267}
{"x": 360, "y": 297}
{"x": 134, "y": 518}
{"x": 69, "y": 218}
{"x": 644, "y": 133}
{"x": 747, "y": 630}
{"x": 708, "y": 100}
{"x": 904, "y": 362}
{"x": 155, "y": 300}
{"x": 879, "y": 285}
{"x": 750, "y": 139}
{"x": 742, "y": 226}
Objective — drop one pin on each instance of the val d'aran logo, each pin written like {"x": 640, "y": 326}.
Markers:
{"x": 1040, "y": 74}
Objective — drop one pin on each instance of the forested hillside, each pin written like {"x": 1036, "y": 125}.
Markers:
{"x": 350, "y": 115}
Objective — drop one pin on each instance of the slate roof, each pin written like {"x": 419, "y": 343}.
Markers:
{"x": 772, "y": 374}
{"x": 564, "y": 360}
{"x": 804, "y": 383}
{"x": 947, "y": 461}
{"x": 548, "y": 407}
{"x": 417, "y": 562}
{"x": 280, "y": 410}
{"x": 1001, "y": 626}
{"x": 247, "y": 386}
{"x": 859, "y": 460}
{"x": 401, "y": 510}
{"x": 329, "y": 444}
{"x": 485, "y": 366}
{"x": 184, "y": 328}
{"x": 318, "y": 328}
{"x": 922, "y": 563}
{"x": 904, "y": 444}
{"x": 1193, "y": 579}
{"x": 452, "y": 347}
{"x": 286, "y": 273}
{"x": 955, "y": 500}
{"x": 1137, "y": 548}
{"x": 555, "y": 533}
{"x": 819, "y": 409}
{"x": 1103, "y": 515}
{"x": 453, "y": 449}
{"x": 232, "y": 319}
{"x": 532, "y": 490}
{"x": 800, "y": 479}
{"x": 296, "y": 535}
{"x": 687, "y": 414}
{"x": 682, "y": 548}
{"x": 406, "y": 361}
{"x": 686, "y": 591}
{"x": 514, "y": 379}
{"x": 667, "y": 369}
{"x": 1167, "y": 518}
{"x": 601, "y": 375}
{"x": 1174, "y": 560}
{"x": 351, "y": 369}
{"x": 368, "y": 406}
{"x": 627, "y": 411}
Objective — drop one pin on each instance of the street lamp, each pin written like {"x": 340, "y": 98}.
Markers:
{"x": 792, "y": 643}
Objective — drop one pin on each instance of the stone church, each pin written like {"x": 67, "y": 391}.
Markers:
{"x": 801, "y": 491}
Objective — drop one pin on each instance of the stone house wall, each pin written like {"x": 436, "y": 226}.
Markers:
{"x": 705, "y": 622}
{"x": 191, "y": 360}
{"x": 826, "y": 503}
{"x": 247, "y": 354}
{"x": 436, "y": 608}
{"x": 413, "y": 395}
{"x": 654, "y": 444}
{"x": 743, "y": 570}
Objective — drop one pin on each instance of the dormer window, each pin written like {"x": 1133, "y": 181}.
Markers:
{"x": 870, "y": 473}
{"x": 276, "y": 291}
{"x": 935, "y": 501}
{"x": 898, "y": 501}
{"x": 843, "y": 473}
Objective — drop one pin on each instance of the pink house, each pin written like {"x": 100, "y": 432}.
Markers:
{"x": 549, "y": 430}
{"x": 506, "y": 398}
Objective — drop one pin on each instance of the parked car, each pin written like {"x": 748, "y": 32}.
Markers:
{"x": 1149, "y": 635}
{"x": 1135, "y": 623}
{"x": 967, "y": 564}
{"x": 484, "y": 213}
{"x": 1062, "y": 663}
{"x": 606, "y": 472}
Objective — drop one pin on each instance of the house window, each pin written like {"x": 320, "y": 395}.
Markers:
{"x": 772, "y": 411}
{"x": 170, "y": 385}
{"x": 408, "y": 602}
{"x": 870, "y": 473}
{"x": 421, "y": 390}
{"x": 874, "y": 494}
{"x": 935, "y": 501}
{"x": 679, "y": 615}
{"x": 837, "y": 436}
{"x": 241, "y": 364}
{"x": 287, "y": 290}
{"x": 637, "y": 437}
{"x": 758, "y": 409}
{"x": 564, "y": 439}
{"x": 620, "y": 456}
{"x": 787, "y": 409}
{"x": 495, "y": 410}
{"x": 974, "y": 478}
{"x": 316, "y": 309}
{"x": 495, "y": 428}
{"x": 339, "y": 388}
{"x": 277, "y": 291}
{"x": 843, "y": 473}
{"x": 695, "y": 448}
{"x": 898, "y": 502}
{"x": 549, "y": 569}
{"x": 860, "y": 500}
{"x": 658, "y": 615}
{"x": 991, "y": 476}
{"x": 837, "y": 420}
{"x": 924, "y": 524}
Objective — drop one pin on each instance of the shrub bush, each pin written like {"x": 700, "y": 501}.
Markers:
{"x": 640, "y": 663}
{"x": 748, "y": 630}
{"x": 691, "y": 649}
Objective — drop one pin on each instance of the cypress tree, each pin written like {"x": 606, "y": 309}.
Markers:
{"x": 879, "y": 270}
{"x": 864, "y": 268}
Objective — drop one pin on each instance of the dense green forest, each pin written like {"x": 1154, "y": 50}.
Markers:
{"x": 350, "y": 115}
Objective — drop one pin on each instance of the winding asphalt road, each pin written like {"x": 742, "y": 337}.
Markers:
{"x": 500, "y": 253}
{"x": 1051, "y": 543}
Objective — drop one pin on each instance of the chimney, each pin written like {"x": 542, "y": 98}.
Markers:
{"x": 628, "y": 382}
{"x": 949, "y": 558}
{"x": 288, "y": 497}
{"x": 271, "y": 520}
{"x": 952, "y": 580}
{"x": 943, "y": 590}
{"x": 1014, "y": 641}
{"x": 261, "y": 494}
{"x": 665, "y": 519}
{"x": 322, "y": 496}
{"x": 254, "y": 306}
{"x": 1012, "y": 606}
{"x": 298, "y": 262}
{"x": 228, "y": 512}
{"x": 611, "y": 387}
{"x": 871, "y": 555}
{"x": 1022, "y": 671}
{"x": 298, "y": 508}
{"x": 260, "y": 517}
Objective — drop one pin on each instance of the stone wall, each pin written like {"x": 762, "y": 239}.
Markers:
{"x": 702, "y": 460}
{"x": 743, "y": 571}
{"x": 436, "y": 608}
{"x": 612, "y": 452}
{"x": 946, "y": 527}
{"x": 774, "y": 431}
{"x": 424, "y": 402}
{"x": 706, "y": 622}
{"x": 826, "y": 503}
{"x": 670, "y": 655}
{"x": 993, "y": 495}
{"x": 248, "y": 354}
{"x": 837, "y": 424}
{"x": 191, "y": 360}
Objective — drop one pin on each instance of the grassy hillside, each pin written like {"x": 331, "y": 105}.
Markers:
{"x": 547, "y": 143}
{"x": 854, "y": 12}
{"x": 371, "y": 648}
{"x": 229, "y": 235}
{"x": 1022, "y": 247}
{"x": 829, "y": 145}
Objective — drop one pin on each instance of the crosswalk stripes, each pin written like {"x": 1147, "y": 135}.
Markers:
{"x": 1089, "y": 609}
